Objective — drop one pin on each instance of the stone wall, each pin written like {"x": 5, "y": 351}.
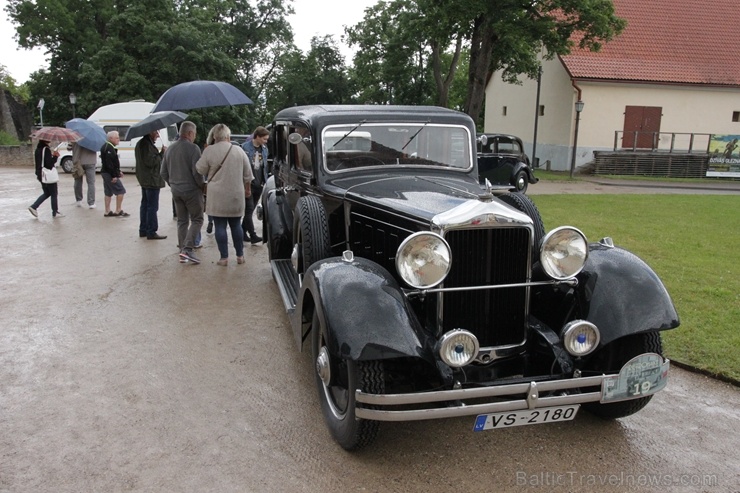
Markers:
{"x": 15, "y": 117}
{"x": 16, "y": 155}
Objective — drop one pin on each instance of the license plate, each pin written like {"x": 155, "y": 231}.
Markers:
{"x": 641, "y": 376}
{"x": 525, "y": 417}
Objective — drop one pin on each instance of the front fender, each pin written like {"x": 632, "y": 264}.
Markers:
{"x": 622, "y": 295}
{"x": 366, "y": 315}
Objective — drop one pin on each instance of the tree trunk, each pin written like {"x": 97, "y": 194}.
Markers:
{"x": 443, "y": 86}
{"x": 480, "y": 62}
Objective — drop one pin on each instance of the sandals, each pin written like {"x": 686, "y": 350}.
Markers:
{"x": 110, "y": 214}
{"x": 123, "y": 214}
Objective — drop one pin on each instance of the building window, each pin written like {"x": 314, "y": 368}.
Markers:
{"x": 503, "y": 112}
{"x": 736, "y": 116}
{"x": 542, "y": 110}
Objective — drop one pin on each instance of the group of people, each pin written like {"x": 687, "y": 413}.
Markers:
{"x": 224, "y": 181}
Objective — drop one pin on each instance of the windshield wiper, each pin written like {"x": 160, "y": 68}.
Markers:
{"x": 414, "y": 136}
{"x": 347, "y": 134}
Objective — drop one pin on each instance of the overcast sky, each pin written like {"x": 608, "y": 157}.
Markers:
{"x": 312, "y": 18}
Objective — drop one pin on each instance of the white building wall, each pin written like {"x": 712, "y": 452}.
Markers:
{"x": 685, "y": 110}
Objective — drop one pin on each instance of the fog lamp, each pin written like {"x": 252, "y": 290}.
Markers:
{"x": 580, "y": 337}
{"x": 458, "y": 348}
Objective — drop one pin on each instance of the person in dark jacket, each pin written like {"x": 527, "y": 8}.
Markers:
{"x": 48, "y": 159}
{"x": 256, "y": 149}
{"x": 111, "y": 173}
{"x": 148, "y": 166}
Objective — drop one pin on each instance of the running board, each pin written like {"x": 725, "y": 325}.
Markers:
{"x": 287, "y": 281}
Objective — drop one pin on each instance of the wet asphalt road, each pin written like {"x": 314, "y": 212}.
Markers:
{"x": 123, "y": 370}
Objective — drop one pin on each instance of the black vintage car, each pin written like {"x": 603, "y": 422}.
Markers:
{"x": 421, "y": 295}
{"x": 503, "y": 162}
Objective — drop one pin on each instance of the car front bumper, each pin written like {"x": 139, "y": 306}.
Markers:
{"x": 643, "y": 375}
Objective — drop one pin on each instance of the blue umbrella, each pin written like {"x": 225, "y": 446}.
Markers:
{"x": 200, "y": 94}
{"x": 93, "y": 136}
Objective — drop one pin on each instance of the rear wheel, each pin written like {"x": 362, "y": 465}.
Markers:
{"x": 610, "y": 359}
{"x": 521, "y": 182}
{"x": 337, "y": 380}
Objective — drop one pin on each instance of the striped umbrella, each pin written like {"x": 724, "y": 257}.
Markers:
{"x": 56, "y": 134}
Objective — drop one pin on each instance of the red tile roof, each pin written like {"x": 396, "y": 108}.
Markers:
{"x": 668, "y": 41}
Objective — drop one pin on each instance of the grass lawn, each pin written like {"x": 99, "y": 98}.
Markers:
{"x": 690, "y": 241}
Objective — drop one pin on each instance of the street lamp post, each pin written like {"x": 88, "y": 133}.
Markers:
{"x": 40, "y": 106}
{"x": 72, "y": 101}
{"x": 579, "y": 108}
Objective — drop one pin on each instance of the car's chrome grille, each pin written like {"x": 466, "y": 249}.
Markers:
{"x": 484, "y": 257}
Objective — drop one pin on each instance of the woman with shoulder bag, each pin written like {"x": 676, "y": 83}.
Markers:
{"x": 228, "y": 174}
{"x": 47, "y": 175}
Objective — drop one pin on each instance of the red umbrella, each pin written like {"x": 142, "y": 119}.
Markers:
{"x": 56, "y": 134}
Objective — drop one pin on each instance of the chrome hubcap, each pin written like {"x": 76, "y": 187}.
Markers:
{"x": 323, "y": 368}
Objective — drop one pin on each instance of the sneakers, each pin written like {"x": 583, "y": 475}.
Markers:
{"x": 58, "y": 214}
{"x": 209, "y": 228}
{"x": 79, "y": 203}
{"x": 33, "y": 211}
{"x": 189, "y": 257}
{"x": 91, "y": 206}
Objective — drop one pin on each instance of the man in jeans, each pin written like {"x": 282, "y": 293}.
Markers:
{"x": 86, "y": 160}
{"x": 148, "y": 172}
{"x": 178, "y": 170}
{"x": 256, "y": 149}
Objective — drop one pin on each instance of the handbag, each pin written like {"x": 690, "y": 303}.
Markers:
{"x": 205, "y": 185}
{"x": 49, "y": 176}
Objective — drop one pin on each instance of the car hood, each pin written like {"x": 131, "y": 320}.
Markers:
{"x": 420, "y": 195}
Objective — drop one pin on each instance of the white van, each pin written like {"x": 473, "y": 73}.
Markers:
{"x": 120, "y": 116}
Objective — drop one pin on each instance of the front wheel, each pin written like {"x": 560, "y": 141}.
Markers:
{"x": 610, "y": 359}
{"x": 66, "y": 164}
{"x": 337, "y": 380}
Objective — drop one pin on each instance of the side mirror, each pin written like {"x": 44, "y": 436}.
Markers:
{"x": 483, "y": 139}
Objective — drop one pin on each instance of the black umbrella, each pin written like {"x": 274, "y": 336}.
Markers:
{"x": 200, "y": 94}
{"x": 155, "y": 121}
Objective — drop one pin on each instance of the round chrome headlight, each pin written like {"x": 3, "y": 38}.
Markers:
{"x": 458, "y": 348}
{"x": 580, "y": 337}
{"x": 423, "y": 260}
{"x": 564, "y": 252}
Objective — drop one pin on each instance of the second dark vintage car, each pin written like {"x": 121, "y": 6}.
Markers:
{"x": 421, "y": 295}
{"x": 503, "y": 162}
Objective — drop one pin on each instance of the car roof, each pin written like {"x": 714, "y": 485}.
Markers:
{"x": 320, "y": 115}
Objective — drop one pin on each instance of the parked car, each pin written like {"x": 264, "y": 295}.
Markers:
{"x": 119, "y": 117}
{"x": 422, "y": 295}
{"x": 503, "y": 162}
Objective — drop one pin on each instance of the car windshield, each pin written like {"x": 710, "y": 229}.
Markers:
{"x": 396, "y": 144}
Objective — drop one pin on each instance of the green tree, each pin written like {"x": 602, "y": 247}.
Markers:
{"x": 402, "y": 41}
{"x": 109, "y": 51}
{"x": 392, "y": 65}
{"x": 318, "y": 77}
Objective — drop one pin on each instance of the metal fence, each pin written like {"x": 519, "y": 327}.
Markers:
{"x": 671, "y": 142}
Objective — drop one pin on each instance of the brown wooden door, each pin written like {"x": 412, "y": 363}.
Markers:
{"x": 643, "y": 124}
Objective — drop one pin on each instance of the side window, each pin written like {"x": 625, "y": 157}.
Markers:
{"x": 300, "y": 155}
{"x": 121, "y": 129}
